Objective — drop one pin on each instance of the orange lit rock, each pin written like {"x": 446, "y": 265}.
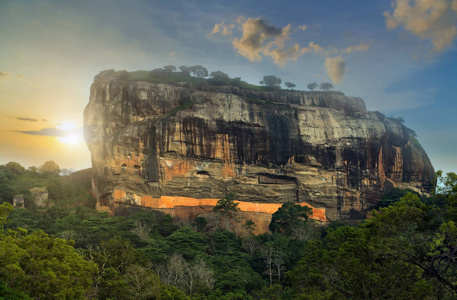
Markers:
{"x": 190, "y": 208}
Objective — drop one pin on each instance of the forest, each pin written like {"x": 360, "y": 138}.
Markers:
{"x": 65, "y": 249}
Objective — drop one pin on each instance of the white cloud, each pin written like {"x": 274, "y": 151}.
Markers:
{"x": 433, "y": 20}
{"x": 360, "y": 47}
{"x": 223, "y": 29}
{"x": 335, "y": 67}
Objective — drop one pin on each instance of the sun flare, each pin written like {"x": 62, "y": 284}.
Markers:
{"x": 66, "y": 126}
{"x": 72, "y": 139}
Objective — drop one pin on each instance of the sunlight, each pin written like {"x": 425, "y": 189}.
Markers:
{"x": 72, "y": 139}
{"x": 66, "y": 126}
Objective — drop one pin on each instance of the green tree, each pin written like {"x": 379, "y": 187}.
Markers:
{"x": 187, "y": 242}
{"x": 15, "y": 167}
{"x": 249, "y": 226}
{"x": 446, "y": 191}
{"x": 288, "y": 216}
{"x": 227, "y": 205}
{"x": 290, "y": 85}
{"x": 185, "y": 70}
{"x": 312, "y": 86}
{"x": 198, "y": 71}
{"x": 346, "y": 266}
{"x": 326, "y": 86}
{"x": 42, "y": 266}
{"x": 218, "y": 78}
{"x": 169, "y": 68}
{"x": 49, "y": 168}
{"x": 271, "y": 81}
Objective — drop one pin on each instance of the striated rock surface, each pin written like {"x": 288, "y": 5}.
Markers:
{"x": 163, "y": 146}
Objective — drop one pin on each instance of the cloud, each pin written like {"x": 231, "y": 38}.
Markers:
{"x": 433, "y": 20}
{"x": 336, "y": 67}
{"x": 259, "y": 39}
{"x": 361, "y": 47}
{"x": 7, "y": 75}
{"x": 4, "y": 75}
{"x": 46, "y": 132}
{"x": 223, "y": 29}
{"x": 26, "y": 119}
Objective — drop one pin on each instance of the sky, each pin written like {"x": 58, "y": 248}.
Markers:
{"x": 399, "y": 56}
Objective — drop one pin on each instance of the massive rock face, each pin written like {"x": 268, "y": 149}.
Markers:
{"x": 165, "y": 146}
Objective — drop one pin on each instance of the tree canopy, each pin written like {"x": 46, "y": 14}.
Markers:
{"x": 312, "y": 86}
{"x": 290, "y": 85}
{"x": 271, "y": 81}
{"x": 288, "y": 216}
{"x": 326, "y": 86}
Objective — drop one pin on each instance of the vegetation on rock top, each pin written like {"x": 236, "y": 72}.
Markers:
{"x": 199, "y": 78}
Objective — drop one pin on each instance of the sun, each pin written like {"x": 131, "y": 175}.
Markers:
{"x": 72, "y": 136}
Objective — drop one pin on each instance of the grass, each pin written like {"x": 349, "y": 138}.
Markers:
{"x": 415, "y": 142}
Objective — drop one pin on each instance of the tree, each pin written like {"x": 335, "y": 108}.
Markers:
{"x": 271, "y": 81}
{"x": 198, "y": 71}
{"x": 6, "y": 191}
{"x": 218, "y": 78}
{"x": 42, "y": 266}
{"x": 123, "y": 75}
{"x": 49, "y": 168}
{"x": 326, "y": 86}
{"x": 15, "y": 167}
{"x": 169, "y": 68}
{"x": 185, "y": 70}
{"x": 312, "y": 86}
{"x": 227, "y": 206}
{"x": 141, "y": 282}
{"x": 290, "y": 85}
{"x": 288, "y": 216}
{"x": 249, "y": 226}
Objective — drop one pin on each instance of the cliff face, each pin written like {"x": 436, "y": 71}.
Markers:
{"x": 153, "y": 144}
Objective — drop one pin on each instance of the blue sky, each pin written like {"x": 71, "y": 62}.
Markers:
{"x": 399, "y": 56}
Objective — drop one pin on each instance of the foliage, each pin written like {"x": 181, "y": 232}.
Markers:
{"x": 271, "y": 82}
{"x": 406, "y": 250}
{"x": 169, "y": 68}
{"x": 394, "y": 196}
{"x": 446, "y": 191}
{"x": 227, "y": 205}
{"x": 198, "y": 71}
{"x": 404, "y": 240}
{"x": 326, "y": 86}
{"x": 312, "y": 86}
{"x": 42, "y": 266}
{"x": 49, "y": 168}
{"x": 290, "y": 85}
{"x": 288, "y": 216}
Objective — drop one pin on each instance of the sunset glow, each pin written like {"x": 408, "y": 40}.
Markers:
{"x": 72, "y": 139}
{"x": 66, "y": 126}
